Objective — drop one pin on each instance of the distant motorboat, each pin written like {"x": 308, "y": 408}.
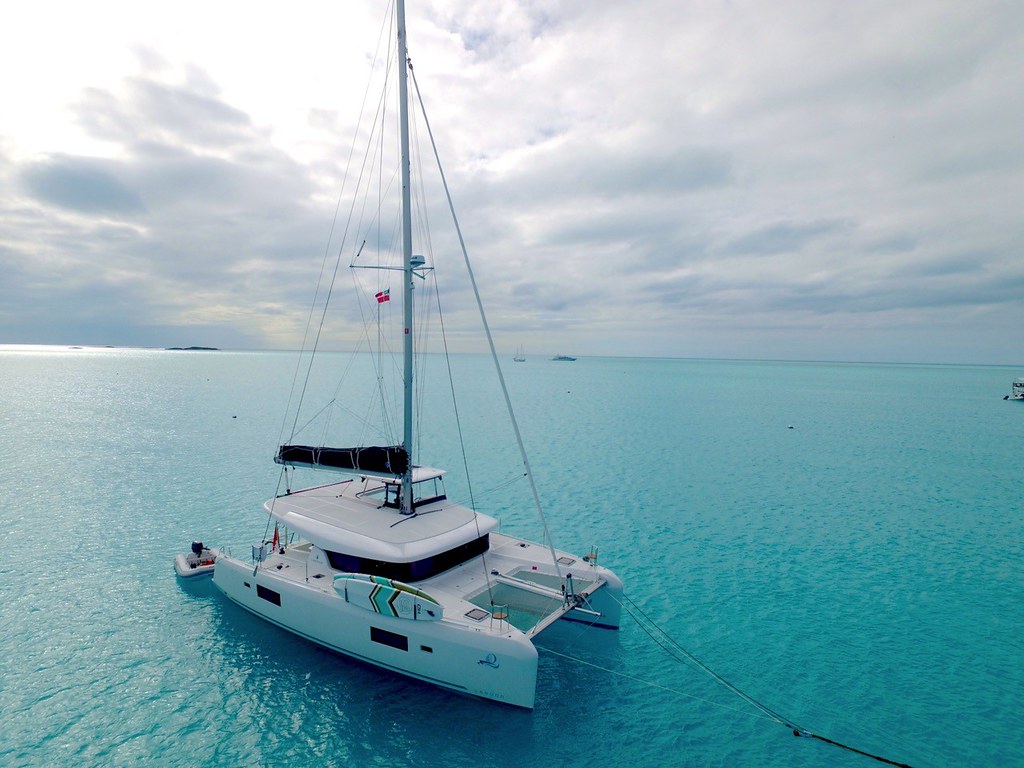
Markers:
{"x": 564, "y": 359}
{"x": 1016, "y": 390}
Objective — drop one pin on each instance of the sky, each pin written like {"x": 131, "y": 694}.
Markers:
{"x": 794, "y": 180}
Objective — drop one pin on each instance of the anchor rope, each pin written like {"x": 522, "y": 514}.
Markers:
{"x": 768, "y": 711}
{"x": 653, "y": 631}
{"x": 649, "y": 683}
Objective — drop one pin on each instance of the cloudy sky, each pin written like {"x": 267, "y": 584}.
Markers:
{"x": 800, "y": 179}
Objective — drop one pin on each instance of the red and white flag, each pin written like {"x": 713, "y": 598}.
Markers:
{"x": 384, "y": 295}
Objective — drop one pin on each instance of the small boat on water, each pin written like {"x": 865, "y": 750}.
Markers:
{"x": 520, "y": 356}
{"x": 1016, "y": 390}
{"x": 563, "y": 359}
{"x": 198, "y": 562}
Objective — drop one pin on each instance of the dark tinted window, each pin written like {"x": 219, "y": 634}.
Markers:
{"x": 415, "y": 571}
{"x": 382, "y": 636}
{"x": 268, "y": 594}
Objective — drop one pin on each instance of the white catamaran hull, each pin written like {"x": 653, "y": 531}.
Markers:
{"x": 474, "y": 660}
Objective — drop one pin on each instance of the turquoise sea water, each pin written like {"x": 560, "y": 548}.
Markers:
{"x": 859, "y": 572}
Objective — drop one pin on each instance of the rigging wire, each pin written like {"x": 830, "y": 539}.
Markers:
{"x": 462, "y": 443}
{"x": 368, "y": 307}
{"x": 421, "y": 224}
{"x": 487, "y": 329}
{"x": 369, "y": 167}
{"x": 282, "y": 476}
{"x": 323, "y": 267}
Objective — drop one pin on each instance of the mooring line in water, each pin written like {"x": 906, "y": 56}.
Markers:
{"x": 879, "y": 758}
{"x": 770, "y": 713}
{"x": 767, "y": 712}
{"x": 650, "y": 683}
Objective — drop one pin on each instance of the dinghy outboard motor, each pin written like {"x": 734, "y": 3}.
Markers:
{"x": 197, "y": 547}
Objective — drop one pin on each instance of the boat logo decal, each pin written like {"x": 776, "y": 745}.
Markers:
{"x": 490, "y": 661}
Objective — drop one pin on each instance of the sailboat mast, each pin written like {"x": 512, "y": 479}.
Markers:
{"x": 403, "y": 119}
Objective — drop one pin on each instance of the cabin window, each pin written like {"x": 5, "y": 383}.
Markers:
{"x": 268, "y": 594}
{"x": 428, "y": 491}
{"x": 414, "y": 571}
{"x": 424, "y": 492}
{"x": 382, "y": 636}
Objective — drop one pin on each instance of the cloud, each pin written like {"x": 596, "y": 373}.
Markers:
{"x": 790, "y": 179}
{"x": 81, "y": 184}
{"x": 784, "y": 237}
{"x": 151, "y": 112}
{"x": 198, "y": 222}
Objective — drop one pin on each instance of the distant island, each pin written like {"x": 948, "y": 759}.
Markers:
{"x": 192, "y": 349}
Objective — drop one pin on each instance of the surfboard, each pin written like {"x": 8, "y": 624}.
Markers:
{"x": 387, "y": 597}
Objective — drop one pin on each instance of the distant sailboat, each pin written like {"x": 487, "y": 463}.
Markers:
{"x": 520, "y": 355}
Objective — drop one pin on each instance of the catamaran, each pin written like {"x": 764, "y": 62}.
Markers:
{"x": 382, "y": 566}
{"x": 1016, "y": 390}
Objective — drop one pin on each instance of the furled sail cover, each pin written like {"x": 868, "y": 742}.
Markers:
{"x": 373, "y": 460}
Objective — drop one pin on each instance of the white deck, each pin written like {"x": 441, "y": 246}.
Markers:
{"x": 350, "y": 517}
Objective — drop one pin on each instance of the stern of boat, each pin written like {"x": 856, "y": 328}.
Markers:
{"x": 605, "y": 601}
